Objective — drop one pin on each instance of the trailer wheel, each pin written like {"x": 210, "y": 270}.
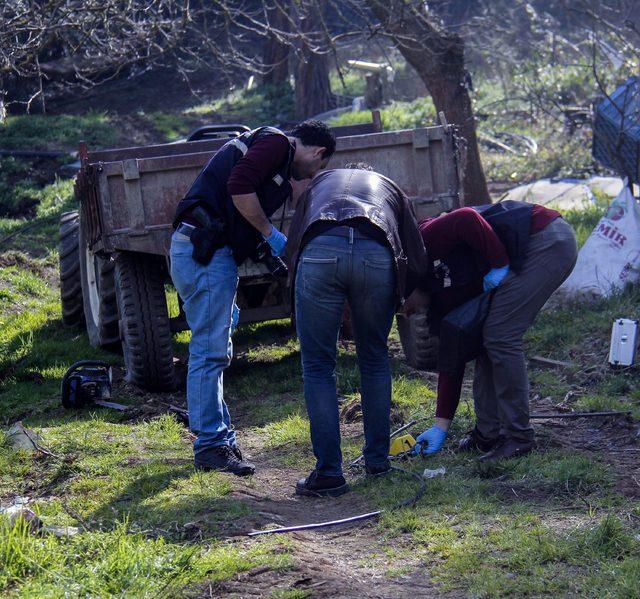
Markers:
{"x": 419, "y": 345}
{"x": 70, "y": 281}
{"x": 99, "y": 296}
{"x": 144, "y": 321}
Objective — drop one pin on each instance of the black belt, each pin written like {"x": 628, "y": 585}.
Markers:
{"x": 186, "y": 229}
{"x": 344, "y": 231}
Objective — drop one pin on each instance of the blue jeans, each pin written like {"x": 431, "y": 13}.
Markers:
{"x": 208, "y": 293}
{"x": 332, "y": 270}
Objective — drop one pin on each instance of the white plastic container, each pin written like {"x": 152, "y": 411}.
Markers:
{"x": 624, "y": 342}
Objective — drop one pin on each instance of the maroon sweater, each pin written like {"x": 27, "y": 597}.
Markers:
{"x": 446, "y": 233}
{"x": 264, "y": 158}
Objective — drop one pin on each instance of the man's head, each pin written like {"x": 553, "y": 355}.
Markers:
{"x": 315, "y": 144}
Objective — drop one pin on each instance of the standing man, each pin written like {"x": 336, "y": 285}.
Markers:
{"x": 524, "y": 252}
{"x": 218, "y": 224}
{"x": 353, "y": 238}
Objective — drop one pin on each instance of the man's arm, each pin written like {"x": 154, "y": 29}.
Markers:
{"x": 264, "y": 158}
{"x": 442, "y": 234}
{"x": 249, "y": 206}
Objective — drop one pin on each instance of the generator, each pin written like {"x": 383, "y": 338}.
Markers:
{"x": 86, "y": 382}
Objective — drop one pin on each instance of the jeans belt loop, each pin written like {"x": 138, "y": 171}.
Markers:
{"x": 350, "y": 235}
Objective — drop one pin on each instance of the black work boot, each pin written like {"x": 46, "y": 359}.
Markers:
{"x": 475, "y": 442}
{"x": 225, "y": 459}
{"x": 318, "y": 485}
{"x": 378, "y": 469}
{"x": 507, "y": 449}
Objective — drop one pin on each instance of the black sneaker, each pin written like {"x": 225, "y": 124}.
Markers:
{"x": 236, "y": 452}
{"x": 318, "y": 485}
{"x": 225, "y": 459}
{"x": 378, "y": 469}
{"x": 475, "y": 442}
{"x": 508, "y": 449}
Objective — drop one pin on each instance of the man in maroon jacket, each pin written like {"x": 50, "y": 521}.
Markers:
{"x": 467, "y": 256}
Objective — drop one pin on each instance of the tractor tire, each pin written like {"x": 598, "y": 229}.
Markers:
{"x": 99, "y": 296}
{"x": 144, "y": 321}
{"x": 419, "y": 345}
{"x": 70, "y": 281}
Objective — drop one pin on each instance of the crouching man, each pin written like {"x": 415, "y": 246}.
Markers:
{"x": 524, "y": 252}
{"x": 219, "y": 223}
{"x": 353, "y": 238}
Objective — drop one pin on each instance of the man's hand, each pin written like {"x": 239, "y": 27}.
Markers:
{"x": 431, "y": 441}
{"x": 417, "y": 302}
{"x": 277, "y": 241}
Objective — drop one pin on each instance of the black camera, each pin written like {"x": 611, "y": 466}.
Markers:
{"x": 274, "y": 264}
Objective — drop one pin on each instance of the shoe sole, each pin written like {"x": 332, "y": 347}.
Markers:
{"x": 518, "y": 454}
{"x": 374, "y": 474}
{"x": 245, "y": 472}
{"x": 335, "y": 492}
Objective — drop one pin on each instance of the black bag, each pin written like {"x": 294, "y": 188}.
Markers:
{"x": 511, "y": 221}
{"x": 461, "y": 334}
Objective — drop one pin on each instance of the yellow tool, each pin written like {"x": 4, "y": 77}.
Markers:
{"x": 402, "y": 444}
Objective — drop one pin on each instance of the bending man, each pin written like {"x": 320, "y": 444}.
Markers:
{"x": 526, "y": 258}
{"x": 354, "y": 238}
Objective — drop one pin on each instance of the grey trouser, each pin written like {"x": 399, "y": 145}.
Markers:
{"x": 501, "y": 384}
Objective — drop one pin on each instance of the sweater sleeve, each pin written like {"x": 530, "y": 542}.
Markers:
{"x": 463, "y": 226}
{"x": 263, "y": 159}
{"x": 449, "y": 390}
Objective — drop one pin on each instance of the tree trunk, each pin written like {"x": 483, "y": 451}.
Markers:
{"x": 275, "y": 54}
{"x": 438, "y": 58}
{"x": 313, "y": 89}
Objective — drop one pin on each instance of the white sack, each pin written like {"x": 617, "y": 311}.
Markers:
{"x": 610, "y": 258}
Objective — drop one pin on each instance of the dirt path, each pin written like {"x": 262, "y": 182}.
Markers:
{"x": 345, "y": 561}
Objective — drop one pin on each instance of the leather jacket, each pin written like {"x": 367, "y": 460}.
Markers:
{"x": 341, "y": 195}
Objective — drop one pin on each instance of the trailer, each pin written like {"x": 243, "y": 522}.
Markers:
{"x": 114, "y": 251}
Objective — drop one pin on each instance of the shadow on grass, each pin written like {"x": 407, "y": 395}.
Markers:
{"x": 33, "y": 363}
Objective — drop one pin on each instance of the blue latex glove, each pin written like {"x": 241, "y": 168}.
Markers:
{"x": 430, "y": 441}
{"x": 277, "y": 241}
{"x": 494, "y": 277}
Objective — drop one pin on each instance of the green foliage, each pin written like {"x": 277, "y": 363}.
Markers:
{"x": 353, "y": 82}
{"x": 398, "y": 115}
{"x": 16, "y": 188}
{"x": 265, "y": 104}
{"x": 558, "y": 154}
{"x": 584, "y": 221}
{"x": 57, "y": 132}
{"x": 171, "y": 126}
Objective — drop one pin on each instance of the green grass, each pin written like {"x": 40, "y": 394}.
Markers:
{"x": 398, "y": 115}
{"x": 57, "y": 132}
{"x": 550, "y": 524}
{"x": 262, "y": 105}
{"x": 118, "y": 562}
{"x": 580, "y": 334}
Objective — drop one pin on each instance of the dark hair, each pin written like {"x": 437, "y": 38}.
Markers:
{"x": 316, "y": 133}
{"x": 361, "y": 166}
